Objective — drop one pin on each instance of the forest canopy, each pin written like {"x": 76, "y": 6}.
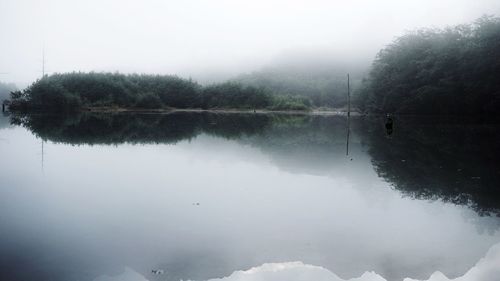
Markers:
{"x": 454, "y": 70}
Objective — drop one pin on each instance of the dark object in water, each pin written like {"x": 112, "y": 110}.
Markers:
{"x": 389, "y": 123}
{"x": 6, "y": 105}
{"x": 157, "y": 271}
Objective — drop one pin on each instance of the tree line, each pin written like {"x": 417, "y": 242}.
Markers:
{"x": 446, "y": 71}
{"x": 317, "y": 86}
{"x": 73, "y": 91}
{"x": 454, "y": 70}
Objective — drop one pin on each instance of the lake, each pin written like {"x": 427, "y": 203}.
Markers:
{"x": 199, "y": 196}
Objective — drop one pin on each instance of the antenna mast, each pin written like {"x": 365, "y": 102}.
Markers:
{"x": 43, "y": 61}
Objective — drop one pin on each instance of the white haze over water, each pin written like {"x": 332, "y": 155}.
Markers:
{"x": 206, "y": 39}
{"x": 486, "y": 269}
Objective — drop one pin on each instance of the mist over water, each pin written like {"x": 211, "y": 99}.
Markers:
{"x": 205, "y": 140}
{"x": 202, "y": 195}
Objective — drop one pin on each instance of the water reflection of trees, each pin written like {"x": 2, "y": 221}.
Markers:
{"x": 119, "y": 128}
{"x": 297, "y": 143}
{"x": 450, "y": 160}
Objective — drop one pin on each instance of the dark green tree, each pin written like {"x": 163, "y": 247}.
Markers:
{"x": 437, "y": 71}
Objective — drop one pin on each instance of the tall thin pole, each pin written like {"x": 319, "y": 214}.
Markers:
{"x": 43, "y": 61}
{"x": 348, "y": 96}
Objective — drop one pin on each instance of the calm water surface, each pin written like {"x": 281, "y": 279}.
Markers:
{"x": 203, "y": 195}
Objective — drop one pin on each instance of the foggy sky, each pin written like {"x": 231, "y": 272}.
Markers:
{"x": 207, "y": 37}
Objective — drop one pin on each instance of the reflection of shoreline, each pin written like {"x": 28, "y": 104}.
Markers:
{"x": 449, "y": 160}
{"x": 153, "y": 176}
{"x": 139, "y": 128}
{"x": 221, "y": 110}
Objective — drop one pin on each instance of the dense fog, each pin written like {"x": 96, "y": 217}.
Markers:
{"x": 209, "y": 40}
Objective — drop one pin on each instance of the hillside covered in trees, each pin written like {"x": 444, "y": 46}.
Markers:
{"x": 74, "y": 91}
{"x": 454, "y": 70}
{"x": 317, "y": 79}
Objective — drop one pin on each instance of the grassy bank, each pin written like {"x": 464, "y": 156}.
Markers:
{"x": 310, "y": 111}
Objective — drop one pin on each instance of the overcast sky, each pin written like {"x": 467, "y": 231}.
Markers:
{"x": 192, "y": 38}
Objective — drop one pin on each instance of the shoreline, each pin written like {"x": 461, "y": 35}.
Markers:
{"x": 215, "y": 110}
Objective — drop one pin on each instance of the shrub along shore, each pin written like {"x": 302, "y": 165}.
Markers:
{"x": 106, "y": 91}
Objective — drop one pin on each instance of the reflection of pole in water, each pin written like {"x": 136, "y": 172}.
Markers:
{"x": 42, "y": 155}
{"x": 348, "y": 114}
{"x": 348, "y": 133}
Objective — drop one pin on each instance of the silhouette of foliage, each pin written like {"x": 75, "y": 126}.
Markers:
{"x": 234, "y": 95}
{"x": 437, "y": 71}
{"x": 74, "y": 91}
